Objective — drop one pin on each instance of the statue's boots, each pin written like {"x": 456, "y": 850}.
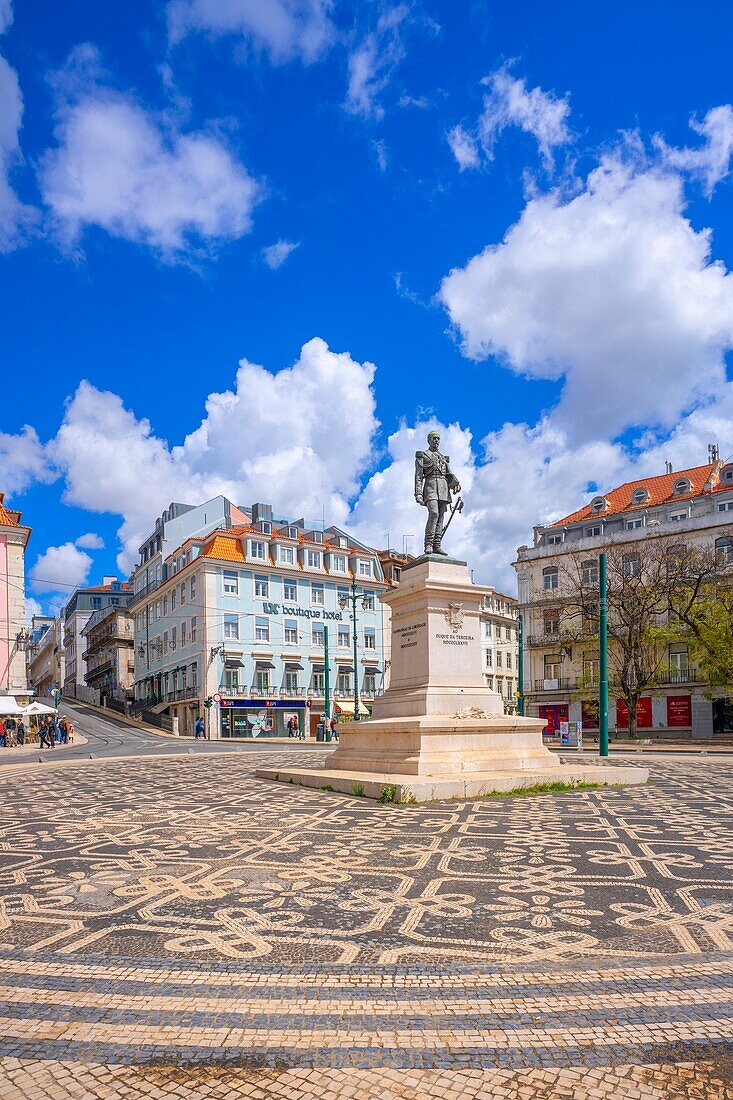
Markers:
{"x": 437, "y": 548}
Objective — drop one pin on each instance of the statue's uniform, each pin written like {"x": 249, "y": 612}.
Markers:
{"x": 433, "y": 482}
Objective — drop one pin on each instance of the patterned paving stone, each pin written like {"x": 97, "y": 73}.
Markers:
{"x": 179, "y": 928}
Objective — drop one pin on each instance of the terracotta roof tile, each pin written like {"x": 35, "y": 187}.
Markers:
{"x": 225, "y": 547}
{"x": 660, "y": 490}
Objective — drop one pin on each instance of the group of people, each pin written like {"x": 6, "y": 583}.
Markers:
{"x": 12, "y": 732}
{"x": 51, "y": 732}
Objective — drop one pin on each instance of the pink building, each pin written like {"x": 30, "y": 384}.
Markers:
{"x": 13, "y": 541}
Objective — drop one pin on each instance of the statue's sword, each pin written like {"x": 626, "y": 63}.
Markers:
{"x": 457, "y": 507}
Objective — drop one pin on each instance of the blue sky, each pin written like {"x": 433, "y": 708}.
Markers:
{"x": 163, "y": 149}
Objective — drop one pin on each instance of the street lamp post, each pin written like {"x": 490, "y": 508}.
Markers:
{"x": 520, "y": 662}
{"x": 344, "y": 601}
{"x": 603, "y": 661}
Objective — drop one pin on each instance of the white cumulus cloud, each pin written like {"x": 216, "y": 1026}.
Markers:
{"x": 23, "y": 461}
{"x": 373, "y": 61}
{"x": 60, "y": 569}
{"x": 15, "y": 217}
{"x": 276, "y": 254}
{"x": 612, "y": 291}
{"x": 711, "y": 160}
{"x": 136, "y": 174}
{"x": 508, "y": 102}
{"x": 284, "y": 29}
{"x": 300, "y": 438}
{"x": 90, "y": 541}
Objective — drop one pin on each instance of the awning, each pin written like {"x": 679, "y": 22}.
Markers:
{"x": 294, "y": 664}
{"x": 318, "y": 668}
{"x": 264, "y": 664}
{"x": 233, "y": 662}
{"x": 345, "y": 706}
{"x": 345, "y": 668}
{"x": 372, "y": 668}
{"x": 38, "y": 708}
{"x": 10, "y": 705}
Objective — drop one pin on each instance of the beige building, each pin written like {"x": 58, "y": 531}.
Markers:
{"x": 46, "y": 655}
{"x": 14, "y": 636}
{"x": 500, "y": 645}
{"x": 561, "y": 663}
{"x": 110, "y": 652}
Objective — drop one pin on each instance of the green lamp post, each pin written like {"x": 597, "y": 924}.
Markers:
{"x": 351, "y": 598}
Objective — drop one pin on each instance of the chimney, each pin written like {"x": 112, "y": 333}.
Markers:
{"x": 668, "y": 467}
{"x": 260, "y": 512}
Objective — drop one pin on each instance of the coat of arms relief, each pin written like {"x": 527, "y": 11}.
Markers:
{"x": 454, "y": 615}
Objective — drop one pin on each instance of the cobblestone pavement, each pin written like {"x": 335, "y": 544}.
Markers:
{"x": 176, "y": 927}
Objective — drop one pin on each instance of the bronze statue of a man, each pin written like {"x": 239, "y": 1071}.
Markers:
{"x": 434, "y": 483}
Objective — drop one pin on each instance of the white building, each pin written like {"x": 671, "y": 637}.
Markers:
{"x": 500, "y": 645}
{"x": 78, "y": 611}
{"x": 46, "y": 655}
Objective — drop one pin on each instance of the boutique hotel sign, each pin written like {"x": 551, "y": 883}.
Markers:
{"x": 307, "y": 613}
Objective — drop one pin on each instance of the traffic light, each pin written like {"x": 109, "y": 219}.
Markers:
{"x": 209, "y": 702}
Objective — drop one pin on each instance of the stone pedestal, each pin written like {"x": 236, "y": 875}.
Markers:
{"x": 438, "y": 731}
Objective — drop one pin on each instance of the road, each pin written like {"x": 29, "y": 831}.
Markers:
{"x": 108, "y": 736}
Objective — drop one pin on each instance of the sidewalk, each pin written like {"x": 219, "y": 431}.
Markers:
{"x": 34, "y": 747}
{"x": 117, "y": 716}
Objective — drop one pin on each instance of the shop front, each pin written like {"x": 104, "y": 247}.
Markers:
{"x": 261, "y": 717}
{"x": 553, "y": 715}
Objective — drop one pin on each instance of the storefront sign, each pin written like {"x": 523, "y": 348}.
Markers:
{"x": 679, "y": 710}
{"x": 643, "y": 714}
{"x": 262, "y": 704}
{"x": 303, "y": 612}
{"x": 554, "y": 715}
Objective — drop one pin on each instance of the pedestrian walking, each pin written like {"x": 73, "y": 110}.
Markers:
{"x": 334, "y": 729}
{"x": 20, "y": 732}
{"x": 3, "y": 735}
{"x": 291, "y": 732}
{"x": 199, "y": 729}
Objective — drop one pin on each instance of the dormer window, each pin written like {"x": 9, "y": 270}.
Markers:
{"x": 726, "y": 475}
{"x": 266, "y": 527}
{"x": 344, "y": 542}
{"x": 317, "y": 536}
{"x": 640, "y": 496}
{"x": 598, "y": 504}
{"x": 292, "y": 532}
{"x": 681, "y": 485}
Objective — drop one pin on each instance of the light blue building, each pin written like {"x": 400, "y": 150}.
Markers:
{"x": 242, "y": 618}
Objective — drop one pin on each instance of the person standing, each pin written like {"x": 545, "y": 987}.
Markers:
{"x": 3, "y": 735}
{"x": 20, "y": 732}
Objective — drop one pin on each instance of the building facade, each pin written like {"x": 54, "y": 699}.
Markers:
{"x": 243, "y": 616}
{"x": 110, "y": 650}
{"x": 46, "y": 656}
{"x": 500, "y": 645}
{"x": 695, "y": 506}
{"x": 14, "y": 637}
{"x": 78, "y": 611}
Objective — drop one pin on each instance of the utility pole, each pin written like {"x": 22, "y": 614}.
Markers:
{"x": 603, "y": 660}
{"x": 326, "y": 677}
{"x": 344, "y": 601}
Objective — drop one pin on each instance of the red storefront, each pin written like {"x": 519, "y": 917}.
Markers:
{"x": 554, "y": 715}
{"x": 643, "y": 714}
{"x": 679, "y": 710}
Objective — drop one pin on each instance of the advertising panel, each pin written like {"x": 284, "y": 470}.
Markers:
{"x": 643, "y": 714}
{"x": 679, "y": 710}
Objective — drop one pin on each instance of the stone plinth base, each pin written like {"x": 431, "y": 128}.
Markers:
{"x": 412, "y": 788}
{"x": 439, "y": 745}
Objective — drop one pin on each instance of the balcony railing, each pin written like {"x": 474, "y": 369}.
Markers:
{"x": 144, "y": 591}
{"x": 549, "y": 638}
{"x": 679, "y": 676}
{"x": 559, "y": 683}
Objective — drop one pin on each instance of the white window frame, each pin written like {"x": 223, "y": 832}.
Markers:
{"x": 261, "y": 587}
{"x": 338, "y": 563}
{"x": 287, "y": 555}
{"x": 231, "y": 627}
{"x": 262, "y": 630}
{"x": 317, "y": 594}
{"x": 294, "y": 586}
{"x": 290, "y": 632}
{"x": 255, "y": 546}
{"x": 365, "y": 568}
{"x": 313, "y": 559}
{"x": 230, "y": 582}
